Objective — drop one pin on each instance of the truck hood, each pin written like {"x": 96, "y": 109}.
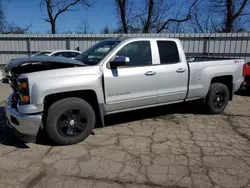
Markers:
{"x": 74, "y": 73}
{"x": 34, "y": 64}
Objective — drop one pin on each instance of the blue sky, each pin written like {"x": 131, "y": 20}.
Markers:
{"x": 101, "y": 14}
{"x": 25, "y": 12}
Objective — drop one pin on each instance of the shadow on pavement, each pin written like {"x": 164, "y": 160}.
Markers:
{"x": 182, "y": 108}
{"x": 7, "y": 135}
{"x": 243, "y": 92}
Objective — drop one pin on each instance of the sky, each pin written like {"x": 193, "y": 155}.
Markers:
{"x": 26, "y": 12}
{"x": 101, "y": 14}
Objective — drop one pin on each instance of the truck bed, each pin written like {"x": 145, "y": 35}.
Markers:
{"x": 202, "y": 70}
{"x": 191, "y": 59}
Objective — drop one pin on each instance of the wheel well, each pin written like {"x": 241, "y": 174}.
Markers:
{"x": 87, "y": 95}
{"x": 227, "y": 81}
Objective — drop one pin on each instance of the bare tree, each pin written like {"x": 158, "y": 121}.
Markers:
{"x": 157, "y": 18}
{"x": 232, "y": 11}
{"x": 55, "y": 8}
{"x": 178, "y": 19}
{"x": 14, "y": 29}
{"x": 154, "y": 16}
{"x": 2, "y": 18}
{"x": 106, "y": 30}
{"x": 7, "y": 27}
{"x": 124, "y": 12}
{"x": 201, "y": 21}
{"x": 84, "y": 27}
{"x": 221, "y": 16}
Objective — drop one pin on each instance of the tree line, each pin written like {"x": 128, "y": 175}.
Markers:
{"x": 151, "y": 16}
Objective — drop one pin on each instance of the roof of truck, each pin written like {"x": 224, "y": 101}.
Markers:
{"x": 122, "y": 38}
{"x": 142, "y": 37}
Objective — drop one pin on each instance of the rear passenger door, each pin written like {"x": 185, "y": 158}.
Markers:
{"x": 172, "y": 72}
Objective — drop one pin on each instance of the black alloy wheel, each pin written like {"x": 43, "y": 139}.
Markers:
{"x": 72, "y": 123}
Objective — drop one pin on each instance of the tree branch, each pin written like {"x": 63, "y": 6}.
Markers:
{"x": 55, "y": 8}
{"x": 188, "y": 17}
{"x": 237, "y": 14}
{"x": 60, "y": 11}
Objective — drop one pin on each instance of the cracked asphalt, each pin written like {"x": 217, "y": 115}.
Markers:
{"x": 173, "y": 147}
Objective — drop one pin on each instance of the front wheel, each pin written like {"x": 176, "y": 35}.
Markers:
{"x": 70, "y": 121}
{"x": 217, "y": 98}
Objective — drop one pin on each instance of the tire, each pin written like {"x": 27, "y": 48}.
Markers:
{"x": 248, "y": 89}
{"x": 218, "y": 94}
{"x": 59, "y": 126}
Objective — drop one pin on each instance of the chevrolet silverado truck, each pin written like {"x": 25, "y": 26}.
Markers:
{"x": 67, "y": 97}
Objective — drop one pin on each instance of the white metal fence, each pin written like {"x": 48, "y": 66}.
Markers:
{"x": 215, "y": 44}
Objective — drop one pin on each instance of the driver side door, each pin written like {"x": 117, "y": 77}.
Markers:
{"x": 132, "y": 85}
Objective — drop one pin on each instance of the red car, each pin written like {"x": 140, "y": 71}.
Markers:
{"x": 246, "y": 74}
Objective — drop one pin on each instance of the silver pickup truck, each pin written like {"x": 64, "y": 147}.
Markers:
{"x": 67, "y": 97}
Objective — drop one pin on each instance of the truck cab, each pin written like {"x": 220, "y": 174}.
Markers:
{"x": 139, "y": 81}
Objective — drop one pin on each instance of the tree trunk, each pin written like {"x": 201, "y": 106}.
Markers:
{"x": 122, "y": 8}
{"x": 124, "y": 24}
{"x": 150, "y": 12}
{"x": 123, "y": 18}
{"x": 229, "y": 21}
{"x": 53, "y": 26}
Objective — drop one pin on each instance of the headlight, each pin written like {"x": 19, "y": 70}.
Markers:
{"x": 23, "y": 91}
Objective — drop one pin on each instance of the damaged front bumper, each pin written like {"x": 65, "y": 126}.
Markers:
{"x": 25, "y": 124}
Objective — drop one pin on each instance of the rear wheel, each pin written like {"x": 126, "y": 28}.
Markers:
{"x": 217, "y": 98}
{"x": 70, "y": 121}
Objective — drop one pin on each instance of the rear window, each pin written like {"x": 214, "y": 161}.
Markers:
{"x": 168, "y": 52}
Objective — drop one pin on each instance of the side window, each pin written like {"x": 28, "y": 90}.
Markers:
{"x": 138, "y": 52}
{"x": 74, "y": 54}
{"x": 69, "y": 54}
{"x": 168, "y": 52}
{"x": 66, "y": 54}
{"x": 58, "y": 54}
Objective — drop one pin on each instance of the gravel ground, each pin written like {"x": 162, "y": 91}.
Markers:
{"x": 173, "y": 146}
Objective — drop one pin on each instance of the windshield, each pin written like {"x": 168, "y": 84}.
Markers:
{"x": 42, "y": 54}
{"x": 96, "y": 53}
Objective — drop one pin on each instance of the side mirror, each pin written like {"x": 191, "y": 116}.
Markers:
{"x": 119, "y": 61}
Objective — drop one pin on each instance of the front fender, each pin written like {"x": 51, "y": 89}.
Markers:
{"x": 39, "y": 89}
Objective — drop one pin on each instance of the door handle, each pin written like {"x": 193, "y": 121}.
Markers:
{"x": 180, "y": 70}
{"x": 150, "y": 73}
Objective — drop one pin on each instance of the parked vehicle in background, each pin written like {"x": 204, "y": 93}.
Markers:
{"x": 68, "y": 97}
{"x": 246, "y": 74}
{"x": 59, "y": 53}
